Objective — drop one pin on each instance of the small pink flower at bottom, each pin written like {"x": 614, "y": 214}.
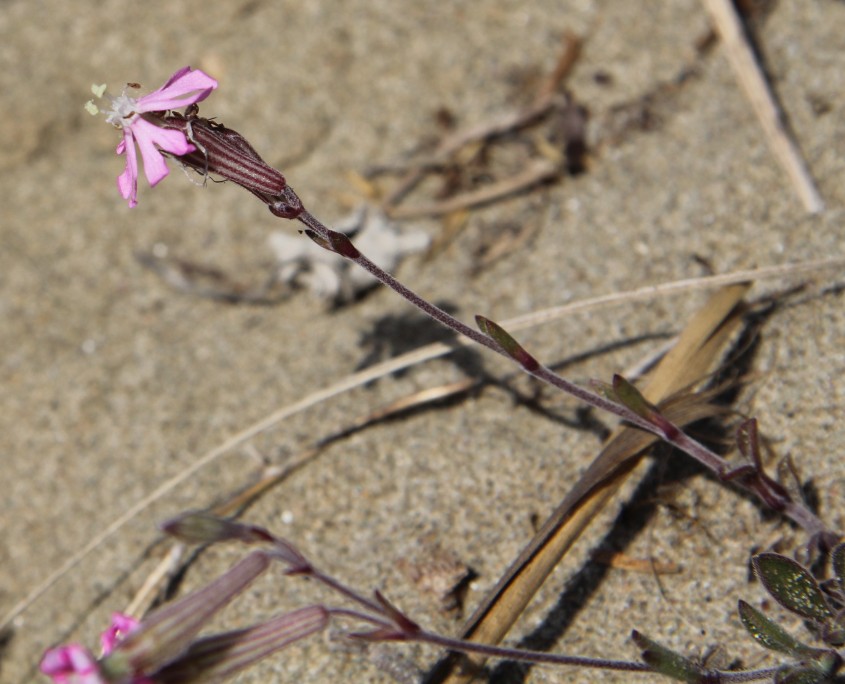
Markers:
{"x": 71, "y": 664}
{"x": 136, "y": 117}
{"x": 74, "y": 664}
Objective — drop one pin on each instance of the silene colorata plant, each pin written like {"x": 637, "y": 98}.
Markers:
{"x": 167, "y": 646}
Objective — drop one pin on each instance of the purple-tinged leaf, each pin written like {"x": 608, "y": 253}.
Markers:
{"x": 667, "y": 662}
{"x": 770, "y": 635}
{"x": 791, "y": 585}
{"x": 406, "y": 624}
{"x": 508, "y": 344}
{"x": 318, "y": 240}
{"x": 218, "y": 657}
{"x": 630, "y": 397}
{"x": 285, "y": 551}
{"x": 342, "y": 245}
{"x": 197, "y": 527}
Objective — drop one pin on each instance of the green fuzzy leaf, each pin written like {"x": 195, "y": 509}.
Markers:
{"x": 769, "y": 634}
{"x": 506, "y": 341}
{"x": 630, "y": 397}
{"x": 791, "y": 585}
{"x": 667, "y": 662}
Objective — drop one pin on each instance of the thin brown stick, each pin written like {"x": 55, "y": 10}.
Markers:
{"x": 753, "y": 80}
{"x": 537, "y": 172}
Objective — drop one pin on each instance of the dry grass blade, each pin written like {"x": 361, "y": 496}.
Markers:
{"x": 644, "y": 565}
{"x": 729, "y": 26}
{"x": 538, "y": 171}
{"x": 688, "y": 362}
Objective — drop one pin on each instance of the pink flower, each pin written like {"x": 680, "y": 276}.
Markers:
{"x": 71, "y": 664}
{"x": 134, "y": 115}
{"x": 121, "y": 625}
{"x": 74, "y": 664}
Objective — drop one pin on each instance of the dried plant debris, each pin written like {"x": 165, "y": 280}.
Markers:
{"x": 439, "y": 573}
{"x": 511, "y": 153}
{"x": 301, "y": 263}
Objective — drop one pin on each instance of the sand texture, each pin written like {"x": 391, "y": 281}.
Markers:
{"x": 113, "y": 382}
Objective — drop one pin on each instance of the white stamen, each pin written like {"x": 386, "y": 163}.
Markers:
{"x": 123, "y": 111}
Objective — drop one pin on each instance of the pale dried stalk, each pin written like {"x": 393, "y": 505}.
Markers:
{"x": 750, "y": 75}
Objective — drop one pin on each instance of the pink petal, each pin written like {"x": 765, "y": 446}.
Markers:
{"x": 127, "y": 182}
{"x": 185, "y": 87}
{"x": 71, "y": 664}
{"x": 120, "y": 626}
{"x": 176, "y": 77}
{"x": 150, "y": 138}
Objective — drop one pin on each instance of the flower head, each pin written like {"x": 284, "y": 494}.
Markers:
{"x": 71, "y": 664}
{"x": 136, "y": 116}
{"x": 164, "y": 648}
{"x": 121, "y": 625}
{"x": 74, "y": 664}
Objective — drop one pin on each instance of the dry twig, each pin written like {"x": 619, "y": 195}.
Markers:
{"x": 741, "y": 56}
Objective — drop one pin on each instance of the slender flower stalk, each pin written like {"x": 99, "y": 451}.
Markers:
{"x": 216, "y": 149}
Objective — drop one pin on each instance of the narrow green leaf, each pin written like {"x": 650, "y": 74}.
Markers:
{"x": 632, "y": 398}
{"x": 667, "y": 662}
{"x": 506, "y": 341}
{"x": 769, "y": 634}
{"x": 791, "y": 585}
{"x": 199, "y": 527}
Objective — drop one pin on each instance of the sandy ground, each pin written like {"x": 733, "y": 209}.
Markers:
{"x": 112, "y": 382}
